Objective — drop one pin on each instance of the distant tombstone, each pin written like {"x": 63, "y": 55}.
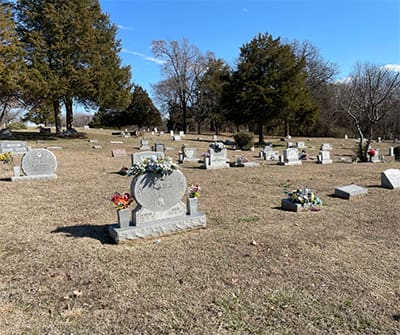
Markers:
{"x": 324, "y": 157}
{"x": 268, "y": 154}
{"x": 390, "y": 178}
{"x": 375, "y": 157}
{"x": 15, "y": 147}
{"x": 159, "y": 147}
{"x": 391, "y": 151}
{"x": 290, "y": 157}
{"x": 181, "y": 133}
{"x": 346, "y": 137}
{"x": 177, "y": 138}
{"x": 38, "y": 164}
{"x": 300, "y": 145}
{"x": 144, "y": 144}
{"x": 43, "y": 130}
{"x": 116, "y": 142}
{"x": 350, "y": 191}
{"x": 155, "y": 130}
{"x": 326, "y": 146}
{"x": 217, "y": 158}
{"x": 118, "y": 153}
{"x": 161, "y": 133}
{"x": 290, "y": 145}
{"x": 190, "y": 154}
{"x": 215, "y": 138}
{"x": 5, "y": 133}
{"x": 160, "y": 210}
{"x": 86, "y": 127}
{"x": 379, "y": 140}
{"x": 97, "y": 147}
{"x": 139, "y": 157}
{"x": 171, "y": 132}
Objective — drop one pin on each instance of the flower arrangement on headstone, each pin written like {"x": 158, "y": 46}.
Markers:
{"x": 6, "y": 158}
{"x": 122, "y": 202}
{"x": 161, "y": 167}
{"x": 239, "y": 162}
{"x": 192, "y": 200}
{"x": 217, "y": 146}
{"x": 301, "y": 199}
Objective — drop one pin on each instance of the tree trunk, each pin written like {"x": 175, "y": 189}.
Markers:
{"x": 287, "y": 128}
{"x": 3, "y": 113}
{"x": 69, "y": 112}
{"x": 198, "y": 127}
{"x": 57, "y": 116}
{"x": 260, "y": 134}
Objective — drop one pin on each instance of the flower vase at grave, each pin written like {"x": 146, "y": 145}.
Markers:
{"x": 124, "y": 217}
{"x": 17, "y": 171}
{"x": 191, "y": 205}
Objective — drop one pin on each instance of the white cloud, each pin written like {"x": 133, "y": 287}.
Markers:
{"x": 121, "y": 27}
{"x": 141, "y": 55}
{"x": 392, "y": 67}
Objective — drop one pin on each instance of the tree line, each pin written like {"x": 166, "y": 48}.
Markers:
{"x": 54, "y": 54}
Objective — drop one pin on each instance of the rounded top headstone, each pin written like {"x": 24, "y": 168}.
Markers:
{"x": 158, "y": 193}
{"x": 39, "y": 162}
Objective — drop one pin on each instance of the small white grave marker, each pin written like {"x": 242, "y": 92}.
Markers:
{"x": 390, "y": 178}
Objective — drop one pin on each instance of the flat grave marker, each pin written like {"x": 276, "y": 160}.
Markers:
{"x": 350, "y": 191}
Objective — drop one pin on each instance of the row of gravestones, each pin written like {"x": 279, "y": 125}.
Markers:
{"x": 389, "y": 179}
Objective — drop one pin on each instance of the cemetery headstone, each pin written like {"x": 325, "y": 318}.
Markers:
{"x": 324, "y": 157}
{"x": 177, "y": 138}
{"x": 171, "y": 132}
{"x": 391, "y": 151}
{"x": 181, "y": 133}
{"x": 159, "y": 147}
{"x": 350, "y": 191}
{"x": 217, "y": 156}
{"x": 326, "y": 146}
{"x": 15, "y": 147}
{"x": 160, "y": 210}
{"x": 290, "y": 157}
{"x": 138, "y": 157}
{"x": 390, "y": 178}
{"x": 118, "y": 153}
{"x": 144, "y": 144}
{"x": 190, "y": 154}
{"x": 37, "y": 164}
{"x": 301, "y": 145}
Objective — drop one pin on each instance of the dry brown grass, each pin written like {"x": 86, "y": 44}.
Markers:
{"x": 254, "y": 270}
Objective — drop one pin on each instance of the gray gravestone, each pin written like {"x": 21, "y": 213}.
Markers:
{"x": 159, "y": 147}
{"x": 301, "y": 145}
{"x": 350, "y": 191}
{"x": 390, "y": 178}
{"x": 190, "y": 154}
{"x": 139, "y": 157}
{"x": 160, "y": 209}
{"x": 290, "y": 157}
{"x": 324, "y": 157}
{"x": 144, "y": 144}
{"x": 38, "y": 164}
{"x": 15, "y": 147}
{"x": 326, "y": 146}
{"x": 118, "y": 153}
{"x": 216, "y": 159}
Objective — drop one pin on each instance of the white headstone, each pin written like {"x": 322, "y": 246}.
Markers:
{"x": 291, "y": 157}
{"x": 324, "y": 157}
{"x": 217, "y": 159}
{"x": 390, "y": 178}
{"x": 326, "y": 146}
{"x": 190, "y": 154}
{"x": 144, "y": 145}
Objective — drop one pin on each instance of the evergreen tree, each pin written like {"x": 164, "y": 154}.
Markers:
{"x": 270, "y": 81}
{"x": 72, "y": 55}
{"x": 11, "y": 61}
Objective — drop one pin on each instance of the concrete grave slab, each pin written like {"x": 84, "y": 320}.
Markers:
{"x": 350, "y": 191}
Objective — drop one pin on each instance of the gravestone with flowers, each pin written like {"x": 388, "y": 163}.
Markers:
{"x": 158, "y": 188}
{"x": 216, "y": 157}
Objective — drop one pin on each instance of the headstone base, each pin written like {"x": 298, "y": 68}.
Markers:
{"x": 286, "y": 204}
{"x": 290, "y": 163}
{"x": 35, "y": 177}
{"x": 350, "y": 191}
{"x": 326, "y": 161}
{"x": 158, "y": 228}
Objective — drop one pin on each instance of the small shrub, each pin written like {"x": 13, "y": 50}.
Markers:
{"x": 16, "y": 125}
{"x": 244, "y": 140}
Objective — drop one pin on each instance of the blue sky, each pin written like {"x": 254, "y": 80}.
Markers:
{"x": 344, "y": 31}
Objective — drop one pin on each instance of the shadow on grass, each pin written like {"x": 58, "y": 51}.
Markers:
{"x": 86, "y": 230}
{"x": 35, "y": 136}
{"x": 7, "y": 179}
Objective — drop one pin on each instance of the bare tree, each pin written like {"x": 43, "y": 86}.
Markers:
{"x": 367, "y": 98}
{"x": 182, "y": 66}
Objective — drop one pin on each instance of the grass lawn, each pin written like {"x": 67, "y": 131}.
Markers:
{"x": 255, "y": 269}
